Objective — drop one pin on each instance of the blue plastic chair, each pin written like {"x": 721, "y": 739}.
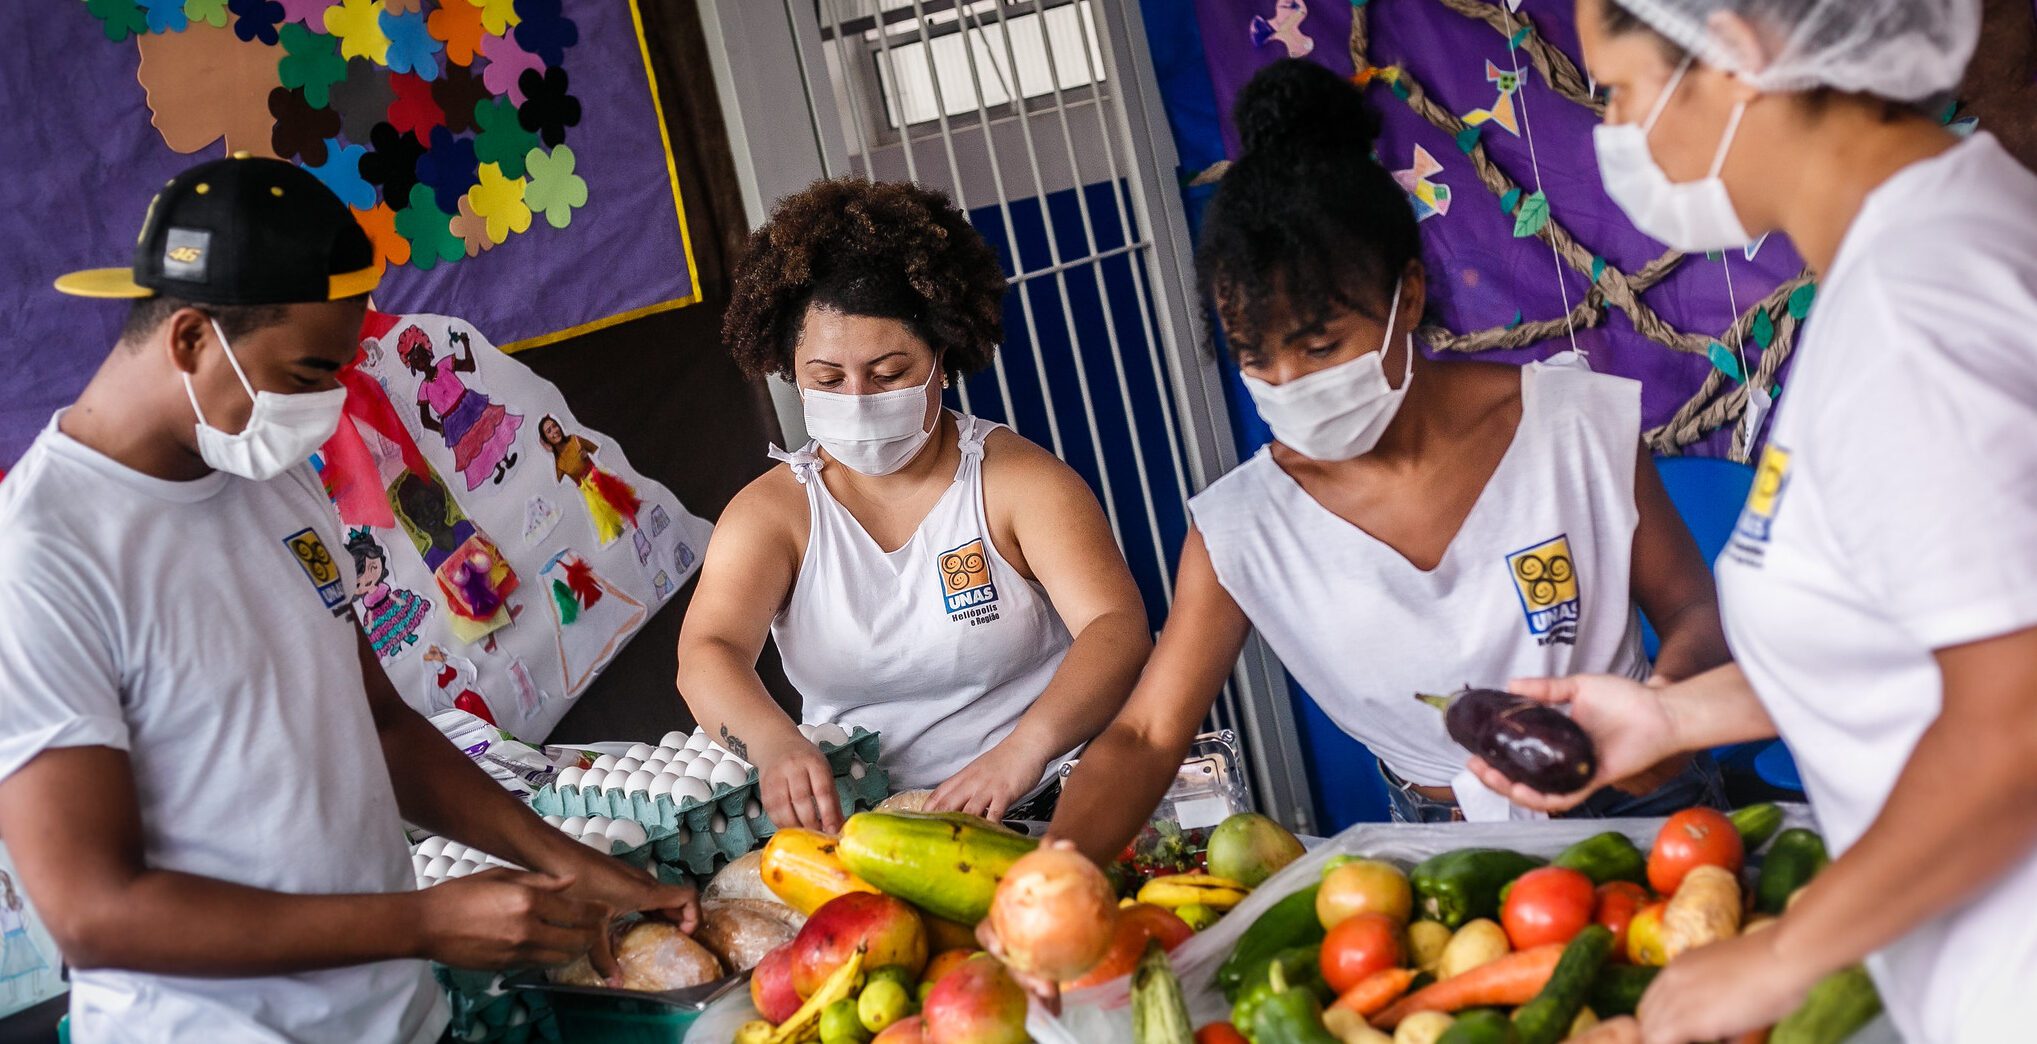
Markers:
{"x": 1708, "y": 493}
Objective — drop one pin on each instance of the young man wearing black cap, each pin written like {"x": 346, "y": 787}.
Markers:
{"x": 202, "y": 804}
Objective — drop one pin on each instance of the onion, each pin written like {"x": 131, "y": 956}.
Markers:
{"x": 1054, "y": 913}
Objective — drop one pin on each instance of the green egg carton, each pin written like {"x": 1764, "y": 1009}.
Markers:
{"x": 483, "y": 1012}
{"x": 862, "y": 746}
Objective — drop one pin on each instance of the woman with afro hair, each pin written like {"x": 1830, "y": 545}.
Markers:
{"x": 926, "y": 574}
{"x": 1416, "y": 525}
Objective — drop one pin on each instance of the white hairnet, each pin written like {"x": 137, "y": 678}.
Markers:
{"x": 1906, "y": 50}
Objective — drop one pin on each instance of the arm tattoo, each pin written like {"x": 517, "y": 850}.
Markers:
{"x": 734, "y": 743}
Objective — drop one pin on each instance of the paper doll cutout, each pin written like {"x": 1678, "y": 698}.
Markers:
{"x": 450, "y": 680}
{"x": 1502, "y": 110}
{"x": 481, "y": 433}
{"x": 594, "y": 617}
{"x": 1285, "y": 26}
{"x": 19, "y": 955}
{"x": 1430, "y": 198}
{"x": 528, "y": 696}
{"x": 471, "y": 571}
{"x": 610, "y": 501}
{"x": 539, "y": 519}
{"x": 390, "y": 615}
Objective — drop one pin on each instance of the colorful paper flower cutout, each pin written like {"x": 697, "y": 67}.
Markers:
{"x": 256, "y": 20}
{"x": 499, "y": 201}
{"x": 472, "y": 228}
{"x": 362, "y": 99}
{"x": 379, "y": 222}
{"x": 358, "y": 24}
{"x": 502, "y": 140}
{"x": 341, "y": 172}
{"x": 207, "y": 12}
{"x": 457, "y": 91}
{"x": 496, "y": 15}
{"x": 545, "y": 31}
{"x": 547, "y": 109}
{"x": 506, "y": 65}
{"x": 457, "y": 24}
{"x": 403, "y": 6}
{"x": 301, "y": 130}
{"x": 119, "y": 19}
{"x": 448, "y": 168}
{"x": 391, "y": 164}
{"x": 411, "y": 48}
{"x": 309, "y": 13}
{"x": 414, "y": 110}
{"x": 311, "y": 63}
{"x": 426, "y": 227}
{"x": 554, "y": 188}
{"x": 165, "y": 16}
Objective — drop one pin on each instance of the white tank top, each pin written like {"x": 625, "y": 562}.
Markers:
{"x": 1534, "y": 584}
{"x": 940, "y": 645}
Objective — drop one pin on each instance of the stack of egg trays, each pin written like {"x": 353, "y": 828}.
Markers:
{"x": 483, "y": 1011}
{"x": 684, "y": 834}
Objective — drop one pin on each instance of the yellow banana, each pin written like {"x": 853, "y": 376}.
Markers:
{"x": 805, "y": 1023}
{"x": 1177, "y": 890}
{"x": 755, "y": 1031}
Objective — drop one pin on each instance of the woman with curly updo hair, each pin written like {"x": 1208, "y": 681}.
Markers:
{"x": 926, "y": 574}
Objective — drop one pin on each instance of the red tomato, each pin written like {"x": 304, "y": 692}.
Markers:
{"x": 1358, "y": 946}
{"x": 1618, "y": 901}
{"x": 1692, "y": 837}
{"x": 1547, "y": 905}
{"x": 1219, "y": 1033}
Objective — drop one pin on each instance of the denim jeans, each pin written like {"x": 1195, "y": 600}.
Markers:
{"x": 1699, "y": 784}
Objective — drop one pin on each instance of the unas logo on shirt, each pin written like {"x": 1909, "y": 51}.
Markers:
{"x": 966, "y": 590}
{"x": 1545, "y": 576}
{"x": 1764, "y": 498}
{"x": 319, "y": 567}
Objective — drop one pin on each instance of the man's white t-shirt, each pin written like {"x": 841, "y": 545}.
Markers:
{"x": 1895, "y": 513}
{"x": 204, "y": 628}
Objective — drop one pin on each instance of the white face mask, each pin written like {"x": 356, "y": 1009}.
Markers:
{"x": 282, "y": 432}
{"x": 1338, "y": 412}
{"x": 872, "y": 434}
{"x": 1693, "y": 217}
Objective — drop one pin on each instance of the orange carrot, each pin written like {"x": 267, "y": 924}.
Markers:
{"x": 1511, "y": 980}
{"x": 1759, "y": 1036}
{"x": 1376, "y": 991}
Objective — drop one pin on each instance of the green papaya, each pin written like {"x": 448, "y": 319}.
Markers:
{"x": 946, "y": 863}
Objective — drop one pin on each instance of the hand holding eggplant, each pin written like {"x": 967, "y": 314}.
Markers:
{"x": 1626, "y": 725}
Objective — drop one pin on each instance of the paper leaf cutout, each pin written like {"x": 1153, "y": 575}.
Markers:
{"x": 554, "y": 188}
{"x": 500, "y": 201}
{"x": 1518, "y": 38}
{"x": 1725, "y": 362}
{"x": 1467, "y": 139}
{"x": 1511, "y": 200}
{"x": 1598, "y": 268}
{"x": 1517, "y": 320}
{"x": 1533, "y": 216}
{"x": 358, "y": 24}
{"x": 1800, "y": 301}
{"x": 1764, "y": 329}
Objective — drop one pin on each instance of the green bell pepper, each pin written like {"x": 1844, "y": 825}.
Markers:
{"x": 1463, "y": 885}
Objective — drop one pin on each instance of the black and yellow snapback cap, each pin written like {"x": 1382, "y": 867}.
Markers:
{"x": 241, "y": 231}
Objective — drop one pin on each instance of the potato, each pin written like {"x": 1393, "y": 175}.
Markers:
{"x": 1423, "y": 1027}
{"x": 1474, "y": 944}
{"x": 1349, "y": 1027}
{"x": 905, "y": 801}
{"x": 1704, "y": 910}
{"x": 1426, "y": 940}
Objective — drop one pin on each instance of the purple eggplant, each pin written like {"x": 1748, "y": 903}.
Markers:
{"x": 1527, "y": 742}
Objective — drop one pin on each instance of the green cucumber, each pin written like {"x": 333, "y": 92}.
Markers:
{"x": 1480, "y": 1026}
{"x": 1159, "y": 1011}
{"x": 1610, "y": 856}
{"x": 1617, "y": 989}
{"x": 1289, "y": 922}
{"x": 1837, "y": 1007}
{"x": 1464, "y": 885}
{"x": 1794, "y": 859}
{"x": 1547, "y": 1018}
{"x": 1756, "y": 824}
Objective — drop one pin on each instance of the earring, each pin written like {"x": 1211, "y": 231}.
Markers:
{"x": 944, "y": 381}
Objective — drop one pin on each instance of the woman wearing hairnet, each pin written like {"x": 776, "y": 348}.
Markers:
{"x": 1880, "y": 593}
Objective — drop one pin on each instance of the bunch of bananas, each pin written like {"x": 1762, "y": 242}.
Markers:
{"x": 1174, "y": 891}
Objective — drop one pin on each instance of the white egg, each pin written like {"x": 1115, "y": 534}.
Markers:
{"x": 639, "y": 751}
{"x": 662, "y": 786}
{"x": 674, "y": 738}
{"x": 857, "y": 771}
{"x": 438, "y": 866}
{"x": 729, "y": 774}
{"x": 700, "y": 768}
{"x": 656, "y": 765}
{"x": 593, "y": 779}
{"x": 695, "y": 741}
{"x": 418, "y": 862}
{"x": 626, "y": 766}
{"x": 606, "y": 762}
{"x": 595, "y": 839}
{"x": 554, "y": 820}
{"x": 752, "y": 809}
{"x": 597, "y": 824}
{"x": 454, "y": 851}
{"x": 462, "y": 868}
{"x": 712, "y": 753}
{"x": 431, "y": 846}
{"x": 639, "y": 782}
{"x": 806, "y": 731}
{"x": 830, "y": 735}
{"x": 669, "y": 752}
{"x": 719, "y": 824}
{"x": 424, "y": 882}
{"x": 569, "y": 777}
{"x": 574, "y": 825}
{"x": 629, "y": 834}
{"x": 690, "y": 788}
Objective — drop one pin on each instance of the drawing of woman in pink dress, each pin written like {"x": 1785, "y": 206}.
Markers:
{"x": 480, "y": 433}
{"x": 390, "y": 615}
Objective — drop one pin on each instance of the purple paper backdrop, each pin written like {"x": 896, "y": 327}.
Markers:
{"x": 1481, "y": 275}
{"x": 81, "y": 160}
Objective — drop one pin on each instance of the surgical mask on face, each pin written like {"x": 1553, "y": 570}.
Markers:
{"x": 872, "y": 434}
{"x": 1338, "y": 412}
{"x": 1695, "y": 216}
{"x": 282, "y": 431}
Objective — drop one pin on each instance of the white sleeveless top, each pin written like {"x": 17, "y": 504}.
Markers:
{"x": 1534, "y": 584}
{"x": 940, "y": 645}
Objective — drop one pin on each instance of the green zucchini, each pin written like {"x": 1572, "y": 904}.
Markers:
{"x": 1289, "y": 922}
{"x": 1610, "y": 856}
{"x": 1618, "y": 988}
{"x": 1480, "y": 1026}
{"x": 1464, "y": 885}
{"x": 1794, "y": 859}
{"x": 1159, "y": 1011}
{"x": 1837, "y": 1007}
{"x": 1547, "y": 1018}
{"x": 1756, "y": 824}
